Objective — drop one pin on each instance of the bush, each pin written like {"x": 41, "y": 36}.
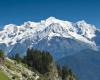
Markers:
{"x": 1, "y": 54}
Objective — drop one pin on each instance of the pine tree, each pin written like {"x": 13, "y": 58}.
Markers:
{"x": 40, "y": 60}
{"x": 65, "y": 73}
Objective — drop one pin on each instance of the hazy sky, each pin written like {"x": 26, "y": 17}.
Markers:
{"x": 19, "y": 11}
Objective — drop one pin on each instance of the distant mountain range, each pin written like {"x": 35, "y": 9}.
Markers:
{"x": 74, "y": 44}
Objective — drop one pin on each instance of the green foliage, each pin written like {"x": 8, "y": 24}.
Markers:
{"x": 3, "y": 76}
{"x": 10, "y": 65}
{"x": 65, "y": 73}
{"x": 1, "y": 53}
{"x": 39, "y": 60}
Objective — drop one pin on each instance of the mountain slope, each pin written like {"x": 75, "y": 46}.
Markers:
{"x": 86, "y": 64}
{"x": 12, "y": 70}
{"x": 3, "y": 76}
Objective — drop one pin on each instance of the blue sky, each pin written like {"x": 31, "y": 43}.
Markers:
{"x": 19, "y": 11}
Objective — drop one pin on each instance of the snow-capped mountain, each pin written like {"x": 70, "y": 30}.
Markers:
{"x": 59, "y": 37}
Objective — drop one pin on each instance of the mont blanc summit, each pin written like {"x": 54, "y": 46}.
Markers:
{"x": 59, "y": 37}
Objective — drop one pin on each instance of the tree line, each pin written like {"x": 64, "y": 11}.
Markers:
{"x": 40, "y": 61}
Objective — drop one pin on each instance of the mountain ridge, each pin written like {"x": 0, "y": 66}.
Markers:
{"x": 87, "y": 63}
{"x": 31, "y": 34}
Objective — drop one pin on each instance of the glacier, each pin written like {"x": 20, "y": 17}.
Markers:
{"x": 61, "y": 38}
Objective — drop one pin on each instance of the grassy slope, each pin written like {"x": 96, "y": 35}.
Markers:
{"x": 3, "y": 76}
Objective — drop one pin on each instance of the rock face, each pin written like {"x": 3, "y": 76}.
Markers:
{"x": 85, "y": 64}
